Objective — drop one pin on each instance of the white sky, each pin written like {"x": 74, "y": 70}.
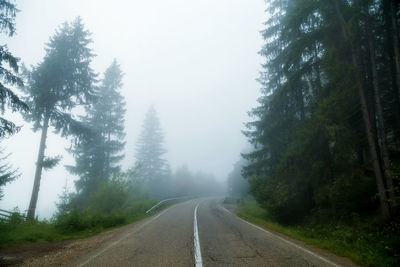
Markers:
{"x": 195, "y": 61}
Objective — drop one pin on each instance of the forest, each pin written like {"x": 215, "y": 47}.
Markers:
{"x": 323, "y": 153}
{"x": 62, "y": 93}
{"x": 325, "y": 136}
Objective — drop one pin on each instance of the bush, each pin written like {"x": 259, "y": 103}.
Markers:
{"x": 16, "y": 218}
{"x": 73, "y": 222}
{"x": 114, "y": 202}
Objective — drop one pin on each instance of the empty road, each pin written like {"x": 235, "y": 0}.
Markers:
{"x": 200, "y": 232}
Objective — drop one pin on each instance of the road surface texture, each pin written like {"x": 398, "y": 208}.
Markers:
{"x": 170, "y": 238}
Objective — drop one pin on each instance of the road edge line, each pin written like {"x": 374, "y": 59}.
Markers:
{"x": 196, "y": 240}
{"x": 119, "y": 240}
{"x": 284, "y": 240}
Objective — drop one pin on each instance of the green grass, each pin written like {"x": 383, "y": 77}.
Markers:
{"x": 77, "y": 225}
{"x": 366, "y": 240}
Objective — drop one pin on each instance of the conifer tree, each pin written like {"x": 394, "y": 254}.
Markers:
{"x": 328, "y": 119}
{"x": 59, "y": 83}
{"x": 98, "y": 154}
{"x": 8, "y": 71}
{"x": 7, "y": 172}
{"x": 150, "y": 151}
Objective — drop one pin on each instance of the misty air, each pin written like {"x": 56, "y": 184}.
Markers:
{"x": 191, "y": 133}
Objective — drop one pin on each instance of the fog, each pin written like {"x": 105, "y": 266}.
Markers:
{"x": 196, "y": 62}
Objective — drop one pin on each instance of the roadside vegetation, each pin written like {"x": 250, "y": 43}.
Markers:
{"x": 18, "y": 231}
{"x": 366, "y": 241}
{"x": 111, "y": 206}
{"x": 324, "y": 161}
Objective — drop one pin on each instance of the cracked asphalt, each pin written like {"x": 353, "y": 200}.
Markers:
{"x": 166, "y": 239}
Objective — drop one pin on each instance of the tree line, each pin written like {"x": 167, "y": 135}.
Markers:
{"x": 326, "y": 135}
{"x": 52, "y": 91}
{"x": 63, "y": 93}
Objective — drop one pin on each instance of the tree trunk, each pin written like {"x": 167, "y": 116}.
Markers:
{"x": 38, "y": 172}
{"x": 368, "y": 127}
{"x": 300, "y": 100}
{"x": 317, "y": 71}
{"x": 395, "y": 38}
{"x": 108, "y": 164}
{"x": 381, "y": 126}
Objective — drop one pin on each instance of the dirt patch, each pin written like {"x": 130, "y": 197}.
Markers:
{"x": 16, "y": 255}
{"x": 54, "y": 253}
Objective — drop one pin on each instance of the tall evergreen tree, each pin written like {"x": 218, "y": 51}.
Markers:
{"x": 150, "y": 151}
{"x": 98, "y": 155}
{"x": 328, "y": 117}
{"x": 59, "y": 83}
{"x": 8, "y": 71}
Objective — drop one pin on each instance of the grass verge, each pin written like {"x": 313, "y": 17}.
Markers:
{"x": 366, "y": 241}
{"x": 16, "y": 231}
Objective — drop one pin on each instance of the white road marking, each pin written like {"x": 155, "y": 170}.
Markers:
{"x": 119, "y": 240}
{"x": 197, "y": 251}
{"x": 284, "y": 240}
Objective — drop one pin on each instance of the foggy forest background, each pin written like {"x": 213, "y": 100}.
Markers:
{"x": 323, "y": 138}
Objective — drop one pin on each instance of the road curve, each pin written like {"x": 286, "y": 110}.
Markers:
{"x": 168, "y": 239}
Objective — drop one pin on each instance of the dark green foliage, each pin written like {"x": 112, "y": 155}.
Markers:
{"x": 7, "y": 172}
{"x": 77, "y": 221}
{"x": 13, "y": 234}
{"x": 51, "y": 162}
{"x": 8, "y": 71}
{"x": 63, "y": 80}
{"x": 74, "y": 224}
{"x": 7, "y": 17}
{"x": 238, "y": 186}
{"x": 117, "y": 201}
{"x": 119, "y": 196}
{"x": 58, "y": 84}
{"x": 99, "y": 152}
{"x": 311, "y": 150}
{"x": 367, "y": 241}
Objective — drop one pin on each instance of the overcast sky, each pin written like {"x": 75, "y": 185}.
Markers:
{"x": 195, "y": 61}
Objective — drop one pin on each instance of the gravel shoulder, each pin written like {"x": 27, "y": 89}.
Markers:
{"x": 55, "y": 253}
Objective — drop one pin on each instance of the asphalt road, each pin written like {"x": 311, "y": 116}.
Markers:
{"x": 170, "y": 238}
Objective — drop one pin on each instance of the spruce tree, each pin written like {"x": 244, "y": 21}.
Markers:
{"x": 7, "y": 172}
{"x": 98, "y": 154}
{"x": 328, "y": 119}
{"x": 59, "y": 83}
{"x": 8, "y": 71}
{"x": 149, "y": 153}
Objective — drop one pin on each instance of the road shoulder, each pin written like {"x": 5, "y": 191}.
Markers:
{"x": 341, "y": 261}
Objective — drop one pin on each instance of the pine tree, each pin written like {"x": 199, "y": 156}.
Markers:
{"x": 149, "y": 153}
{"x": 8, "y": 75}
{"x": 59, "y": 83}
{"x": 98, "y": 154}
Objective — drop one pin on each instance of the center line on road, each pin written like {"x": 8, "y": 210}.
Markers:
{"x": 197, "y": 251}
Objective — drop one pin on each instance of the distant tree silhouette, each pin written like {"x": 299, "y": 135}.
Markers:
{"x": 153, "y": 168}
